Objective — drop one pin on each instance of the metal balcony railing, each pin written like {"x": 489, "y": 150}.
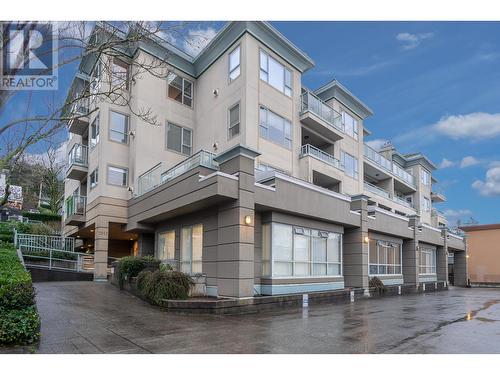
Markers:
{"x": 79, "y": 155}
{"x": 310, "y": 102}
{"x": 75, "y": 205}
{"x": 321, "y": 155}
{"x": 80, "y": 107}
{"x": 376, "y": 190}
{"x": 154, "y": 177}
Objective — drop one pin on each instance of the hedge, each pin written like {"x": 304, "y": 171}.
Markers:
{"x": 42, "y": 216}
{"x": 130, "y": 266}
{"x": 163, "y": 284}
{"x": 19, "y": 320}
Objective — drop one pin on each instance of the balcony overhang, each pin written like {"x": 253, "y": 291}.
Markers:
{"x": 322, "y": 127}
{"x": 437, "y": 197}
{"x": 75, "y": 220}
{"x": 77, "y": 172}
{"x": 78, "y": 125}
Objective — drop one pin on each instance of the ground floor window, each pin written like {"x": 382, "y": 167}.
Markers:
{"x": 166, "y": 248}
{"x": 191, "y": 248}
{"x": 385, "y": 258}
{"x": 427, "y": 261}
{"x": 289, "y": 251}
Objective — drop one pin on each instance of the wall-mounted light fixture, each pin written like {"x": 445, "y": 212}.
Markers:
{"x": 367, "y": 239}
{"x": 248, "y": 220}
{"x": 467, "y": 256}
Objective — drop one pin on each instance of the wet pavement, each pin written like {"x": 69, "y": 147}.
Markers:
{"x": 88, "y": 317}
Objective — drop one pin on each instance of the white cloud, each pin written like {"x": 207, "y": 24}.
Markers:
{"x": 445, "y": 163}
{"x": 60, "y": 157}
{"x": 475, "y": 126}
{"x": 377, "y": 144}
{"x": 457, "y": 214}
{"x": 197, "y": 39}
{"x": 411, "y": 41}
{"x": 469, "y": 161}
{"x": 490, "y": 187}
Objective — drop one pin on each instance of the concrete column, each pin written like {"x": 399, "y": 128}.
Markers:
{"x": 101, "y": 233}
{"x": 411, "y": 254}
{"x": 146, "y": 244}
{"x": 235, "y": 244}
{"x": 460, "y": 268}
{"x": 355, "y": 248}
{"x": 442, "y": 260}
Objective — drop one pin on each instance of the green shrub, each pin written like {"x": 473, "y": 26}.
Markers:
{"x": 41, "y": 229}
{"x": 19, "y": 326}
{"x": 378, "y": 284}
{"x": 130, "y": 266}
{"x": 17, "y": 296}
{"x": 162, "y": 284}
{"x": 42, "y": 216}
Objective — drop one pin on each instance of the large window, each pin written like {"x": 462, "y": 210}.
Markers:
{"x": 118, "y": 127}
{"x": 180, "y": 89}
{"x": 234, "y": 64}
{"x": 117, "y": 176}
{"x": 179, "y": 139}
{"x": 94, "y": 178}
{"x": 166, "y": 248}
{"x": 289, "y": 251}
{"x": 350, "y": 125}
{"x": 426, "y": 177}
{"x": 426, "y": 204}
{"x": 275, "y": 128}
{"x": 191, "y": 249}
{"x": 234, "y": 121}
{"x": 427, "y": 261}
{"x": 94, "y": 132}
{"x": 350, "y": 164}
{"x": 119, "y": 74}
{"x": 275, "y": 74}
{"x": 385, "y": 258}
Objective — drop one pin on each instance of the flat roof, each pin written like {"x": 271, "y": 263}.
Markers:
{"x": 472, "y": 228}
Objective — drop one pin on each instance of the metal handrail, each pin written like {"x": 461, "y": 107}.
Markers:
{"x": 41, "y": 242}
{"x": 315, "y": 152}
{"x": 376, "y": 190}
{"x": 310, "y": 102}
{"x": 78, "y": 155}
{"x": 76, "y": 205}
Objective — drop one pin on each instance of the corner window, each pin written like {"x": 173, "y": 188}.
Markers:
{"x": 426, "y": 203}
{"x": 275, "y": 74}
{"x": 179, "y": 139}
{"x": 234, "y": 64}
{"x": 119, "y": 74}
{"x": 426, "y": 178}
{"x": 234, "y": 121}
{"x": 427, "y": 261}
{"x": 350, "y": 164}
{"x": 275, "y": 128}
{"x": 166, "y": 248}
{"x": 118, "y": 127}
{"x": 117, "y": 176}
{"x": 94, "y": 132}
{"x": 384, "y": 258}
{"x": 94, "y": 178}
{"x": 191, "y": 249}
{"x": 350, "y": 125}
{"x": 180, "y": 89}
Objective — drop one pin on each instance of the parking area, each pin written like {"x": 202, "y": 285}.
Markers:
{"x": 88, "y": 317}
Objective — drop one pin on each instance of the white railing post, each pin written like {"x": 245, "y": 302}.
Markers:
{"x": 50, "y": 259}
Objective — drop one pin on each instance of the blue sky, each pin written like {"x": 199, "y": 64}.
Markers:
{"x": 434, "y": 88}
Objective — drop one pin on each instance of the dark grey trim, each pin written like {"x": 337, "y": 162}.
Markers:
{"x": 235, "y": 151}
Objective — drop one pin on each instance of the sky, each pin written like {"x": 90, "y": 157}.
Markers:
{"x": 434, "y": 87}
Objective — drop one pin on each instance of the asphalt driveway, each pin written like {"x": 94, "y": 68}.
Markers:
{"x": 88, "y": 317}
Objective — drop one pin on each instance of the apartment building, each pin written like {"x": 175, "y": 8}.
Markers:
{"x": 264, "y": 186}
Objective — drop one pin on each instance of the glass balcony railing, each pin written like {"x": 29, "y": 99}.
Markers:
{"x": 81, "y": 107}
{"x": 75, "y": 205}
{"x": 402, "y": 201}
{"x": 321, "y": 155}
{"x": 310, "y": 102}
{"x": 79, "y": 155}
{"x": 376, "y": 190}
{"x": 401, "y": 173}
{"x": 154, "y": 177}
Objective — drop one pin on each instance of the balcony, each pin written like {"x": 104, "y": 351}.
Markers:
{"x": 320, "y": 155}
{"x": 79, "y": 117}
{"x": 402, "y": 201}
{"x": 78, "y": 162}
{"x": 437, "y": 197}
{"x": 320, "y": 117}
{"x": 75, "y": 210}
{"x": 402, "y": 174}
{"x": 376, "y": 190}
{"x": 154, "y": 177}
{"x": 438, "y": 218}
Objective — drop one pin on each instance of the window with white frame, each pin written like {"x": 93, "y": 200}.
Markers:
{"x": 94, "y": 178}
{"x": 350, "y": 164}
{"x": 118, "y": 127}
{"x": 426, "y": 178}
{"x": 275, "y": 128}
{"x": 234, "y": 121}
{"x": 179, "y": 139}
{"x": 166, "y": 248}
{"x": 180, "y": 89}
{"x": 191, "y": 249}
{"x": 234, "y": 64}
{"x": 384, "y": 258}
{"x": 427, "y": 261}
{"x": 117, "y": 176}
{"x": 94, "y": 132}
{"x": 426, "y": 203}
{"x": 275, "y": 74}
{"x": 119, "y": 74}
{"x": 289, "y": 251}
{"x": 350, "y": 125}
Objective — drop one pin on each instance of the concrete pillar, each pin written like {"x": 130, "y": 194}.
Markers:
{"x": 235, "y": 243}
{"x": 101, "y": 236}
{"x": 460, "y": 268}
{"x": 442, "y": 260}
{"x": 146, "y": 244}
{"x": 411, "y": 254}
{"x": 355, "y": 247}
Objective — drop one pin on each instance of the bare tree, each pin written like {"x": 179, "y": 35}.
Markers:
{"x": 89, "y": 42}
